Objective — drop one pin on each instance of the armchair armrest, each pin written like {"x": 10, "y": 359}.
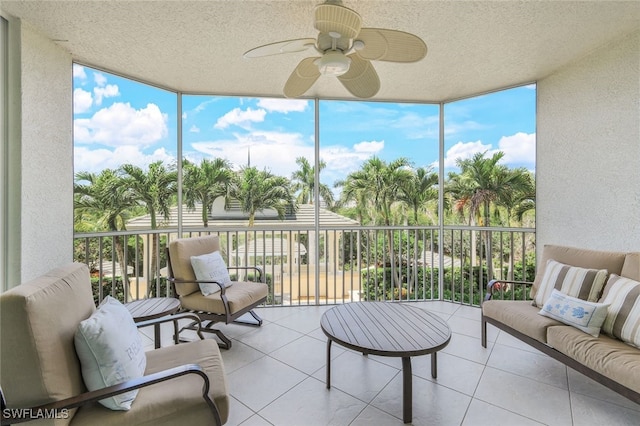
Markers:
{"x": 177, "y": 281}
{"x": 21, "y": 415}
{"x": 246, "y": 268}
{"x": 495, "y": 284}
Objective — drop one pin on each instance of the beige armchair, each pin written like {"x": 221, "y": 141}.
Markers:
{"x": 41, "y": 376}
{"x": 226, "y": 305}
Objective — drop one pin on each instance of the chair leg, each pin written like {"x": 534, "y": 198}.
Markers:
{"x": 256, "y": 323}
{"x": 225, "y": 342}
{"x": 483, "y": 333}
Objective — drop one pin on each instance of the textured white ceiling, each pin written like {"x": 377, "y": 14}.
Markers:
{"x": 197, "y": 46}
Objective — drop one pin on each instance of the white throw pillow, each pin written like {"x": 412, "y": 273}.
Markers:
{"x": 583, "y": 315}
{"x": 210, "y": 267}
{"x": 585, "y": 284}
{"x": 110, "y": 351}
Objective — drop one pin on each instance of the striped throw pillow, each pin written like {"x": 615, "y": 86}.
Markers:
{"x": 623, "y": 316}
{"x": 582, "y": 283}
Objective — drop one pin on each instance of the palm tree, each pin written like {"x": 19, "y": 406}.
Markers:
{"x": 382, "y": 184}
{"x": 154, "y": 189}
{"x": 205, "y": 183}
{"x": 420, "y": 190}
{"x": 305, "y": 182}
{"x": 107, "y": 202}
{"x": 481, "y": 183}
{"x": 258, "y": 190}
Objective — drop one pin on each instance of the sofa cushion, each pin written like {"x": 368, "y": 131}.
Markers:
{"x": 608, "y": 356}
{"x": 239, "y": 296}
{"x": 210, "y": 267}
{"x": 111, "y": 351}
{"x": 181, "y": 251}
{"x": 623, "y": 317}
{"x": 46, "y": 367}
{"x": 174, "y": 402}
{"x": 631, "y": 267}
{"x": 583, "y": 258}
{"x": 521, "y": 316}
{"x": 583, "y": 315}
{"x": 583, "y": 283}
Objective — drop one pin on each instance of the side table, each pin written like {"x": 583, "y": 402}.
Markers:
{"x": 144, "y": 310}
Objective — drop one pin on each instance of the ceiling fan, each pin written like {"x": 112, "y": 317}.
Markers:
{"x": 346, "y": 51}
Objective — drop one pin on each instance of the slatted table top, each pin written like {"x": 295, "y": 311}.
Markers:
{"x": 385, "y": 328}
{"x": 155, "y": 307}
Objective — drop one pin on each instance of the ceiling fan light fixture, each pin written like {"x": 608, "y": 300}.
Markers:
{"x": 333, "y": 63}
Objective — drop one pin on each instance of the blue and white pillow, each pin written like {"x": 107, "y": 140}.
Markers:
{"x": 583, "y": 315}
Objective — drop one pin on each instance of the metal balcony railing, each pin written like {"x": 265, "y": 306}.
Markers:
{"x": 329, "y": 265}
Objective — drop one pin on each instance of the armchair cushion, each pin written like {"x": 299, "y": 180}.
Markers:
{"x": 41, "y": 317}
{"x": 241, "y": 295}
{"x": 174, "y": 402}
{"x": 210, "y": 267}
{"x": 110, "y": 350}
{"x": 181, "y": 251}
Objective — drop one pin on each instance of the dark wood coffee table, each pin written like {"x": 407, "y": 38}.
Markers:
{"x": 387, "y": 329}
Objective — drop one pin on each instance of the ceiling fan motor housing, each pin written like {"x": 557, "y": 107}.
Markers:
{"x": 333, "y": 63}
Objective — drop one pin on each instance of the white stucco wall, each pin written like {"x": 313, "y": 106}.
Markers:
{"x": 588, "y": 151}
{"x": 46, "y": 230}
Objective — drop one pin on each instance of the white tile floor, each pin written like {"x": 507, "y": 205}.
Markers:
{"x": 276, "y": 376}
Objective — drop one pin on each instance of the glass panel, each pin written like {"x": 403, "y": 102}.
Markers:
{"x": 490, "y": 145}
{"x": 382, "y": 163}
{"x": 245, "y": 164}
{"x": 125, "y": 152}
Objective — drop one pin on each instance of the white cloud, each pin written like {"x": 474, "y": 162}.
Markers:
{"x": 108, "y": 91}
{"x": 369, "y": 147}
{"x": 82, "y": 101}
{"x": 283, "y": 105}
{"x": 184, "y": 115}
{"x": 120, "y": 125}
{"x": 462, "y": 151}
{"x": 99, "y": 79}
{"x": 519, "y": 148}
{"x": 96, "y": 160}
{"x": 266, "y": 150}
{"x": 78, "y": 72}
{"x": 240, "y": 118}
{"x": 194, "y": 129}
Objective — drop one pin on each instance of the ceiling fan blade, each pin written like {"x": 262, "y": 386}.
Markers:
{"x": 361, "y": 79}
{"x": 330, "y": 17}
{"x": 390, "y": 45}
{"x": 302, "y": 78}
{"x": 286, "y": 46}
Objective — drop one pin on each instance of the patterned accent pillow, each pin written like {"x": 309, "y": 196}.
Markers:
{"x": 582, "y": 283}
{"x": 583, "y": 315}
{"x": 110, "y": 351}
{"x": 210, "y": 267}
{"x": 623, "y": 317}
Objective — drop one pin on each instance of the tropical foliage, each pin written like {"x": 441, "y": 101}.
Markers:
{"x": 483, "y": 193}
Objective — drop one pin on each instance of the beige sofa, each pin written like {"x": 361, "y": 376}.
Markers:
{"x": 182, "y": 384}
{"x": 608, "y": 360}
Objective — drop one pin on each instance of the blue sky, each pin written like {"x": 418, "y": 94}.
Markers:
{"x": 119, "y": 121}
